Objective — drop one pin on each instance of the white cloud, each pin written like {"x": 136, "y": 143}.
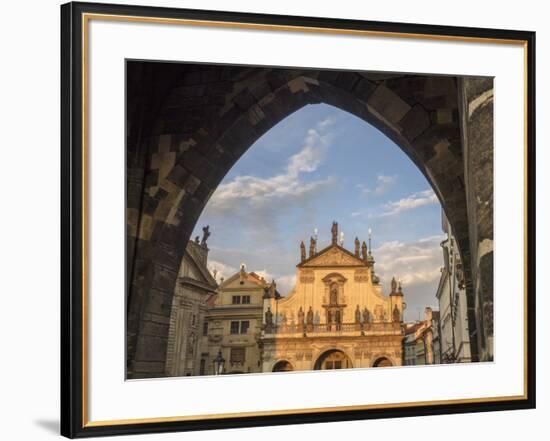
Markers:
{"x": 289, "y": 185}
{"x": 286, "y": 283}
{"x": 415, "y": 200}
{"x": 220, "y": 270}
{"x": 413, "y": 263}
{"x": 383, "y": 184}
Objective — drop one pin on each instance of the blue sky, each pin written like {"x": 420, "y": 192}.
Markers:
{"x": 318, "y": 165}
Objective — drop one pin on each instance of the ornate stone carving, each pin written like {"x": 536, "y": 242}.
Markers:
{"x": 361, "y": 275}
{"x": 307, "y": 276}
{"x": 334, "y": 257}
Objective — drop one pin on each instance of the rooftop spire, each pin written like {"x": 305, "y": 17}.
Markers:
{"x": 370, "y": 244}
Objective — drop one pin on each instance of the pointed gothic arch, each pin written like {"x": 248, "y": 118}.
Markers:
{"x": 188, "y": 127}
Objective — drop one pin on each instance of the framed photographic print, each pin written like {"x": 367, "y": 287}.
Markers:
{"x": 261, "y": 212}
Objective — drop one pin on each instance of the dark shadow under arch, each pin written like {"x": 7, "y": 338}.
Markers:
{"x": 282, "y": 366}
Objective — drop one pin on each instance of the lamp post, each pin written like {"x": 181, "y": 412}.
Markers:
{"x": 219, "y": 362}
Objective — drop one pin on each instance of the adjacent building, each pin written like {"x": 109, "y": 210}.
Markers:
{"x": 195, "y": 287}
{"x": 233, "y": 324}
{"x": 451, "y": 295}
{"x": 421, "y": 343}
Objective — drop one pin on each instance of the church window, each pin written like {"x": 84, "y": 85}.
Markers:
{"x": 236, "y": 300}
{"x": 202, "y": 367}
{"x": 205, "y": 328}
{"x": 234, "y": 328}
{"x": 237, "y": 355}
{"x": 246, "y": 300}
{"x": 245, "y": 324}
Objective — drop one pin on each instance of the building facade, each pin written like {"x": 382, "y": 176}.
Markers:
{"x": 451, "y": 295}
{"x": 233, "y": 324}
{"x": 337, "y": 315}
{"x": 195, "y": 286}
{"x": 421, "y": 343}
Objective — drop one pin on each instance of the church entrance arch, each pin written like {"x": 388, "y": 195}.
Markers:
{"x": 282, "y": 366}
{"x": 382, "y": 362}
{"x": 333, "y": 359}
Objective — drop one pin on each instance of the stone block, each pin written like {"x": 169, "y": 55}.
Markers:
{"x": 364, "y": 89}
{"x": 388, "y": 104}
{"x": 415, "y": 122}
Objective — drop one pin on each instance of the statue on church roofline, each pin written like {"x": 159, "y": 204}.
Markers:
{"x": 357, "y": 246}
{"x": 334, "y": 231}
{"x": 302, "y": 251}
{"x": 364, "y": 251}
{"x": 311, "y": 247}
{"x": 205, "y": 235}
{"x": 393, "y": 285}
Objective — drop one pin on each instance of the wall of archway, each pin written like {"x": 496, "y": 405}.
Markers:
{"x": 187, "y": 126}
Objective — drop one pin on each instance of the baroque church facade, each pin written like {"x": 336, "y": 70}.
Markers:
{"x": 337, "y": 316}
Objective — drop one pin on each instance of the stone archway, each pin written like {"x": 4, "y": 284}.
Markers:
{"x": 332, "y": 359}
{"x": 187, "y": 126}
{"x": 282, "y": 366}
{"x": 382, "y": 362}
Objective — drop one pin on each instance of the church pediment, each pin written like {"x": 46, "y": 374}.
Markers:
{"x": 333, "y": 256}
{"x": 244, "y": 281}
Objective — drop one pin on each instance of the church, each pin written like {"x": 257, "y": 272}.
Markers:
{"x": 337, "y": 315}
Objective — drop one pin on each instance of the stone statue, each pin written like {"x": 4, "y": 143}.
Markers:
{"x": 300, "y": 316}
{"x": 197, "y": 239}
{"x": 269, "y": 317}
{"x": 366, "y": 316}
{"x": 205, "y": 235}
{"x": 396, "y": 315}
{"x": 309, "y": 317}
{"x": 357, "y": 315}
{"x": 302, "y": 251}
{"x": 334, "y": 231}
{"x": 364, "y": 251}
{"x": 393, "y": 285}
{"x": 357, "y": 245}
{"x": 272, "y": 289}
{"x": 311, "y": 247}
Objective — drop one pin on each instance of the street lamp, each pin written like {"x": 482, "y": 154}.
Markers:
{"x": 219, "y": 362}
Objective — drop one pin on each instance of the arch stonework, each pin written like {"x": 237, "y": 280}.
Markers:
{"x": 282, "y": 362}
{"x": 187, "y": 126}
{"x": 324, "y": 353}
